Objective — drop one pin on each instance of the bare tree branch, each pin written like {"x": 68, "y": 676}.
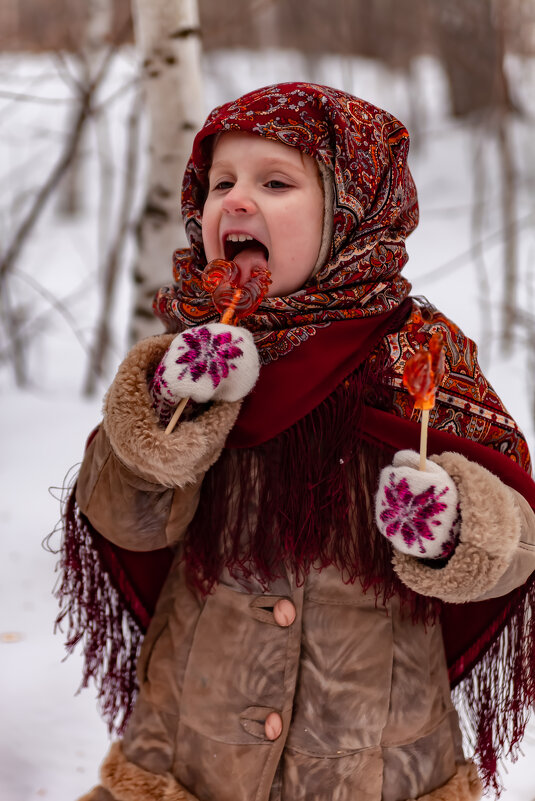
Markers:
{"x": 46, "y": 190}
{"x": 460, "y": 260}
{"x": 106, "y": 185}
{"x": 12, "y": 315}
{"x": 20, "y": 97}
{"x": 53, "y": 179}
{"x": 510, "y": 261}
{"x": 11, "y": 320}
{"x": 60, "y": 305}
{"x": 530, "y": 329}
{"x": 66, "y": 74}
{"x": 95, "y": 29}
{"x": 478, "y": 252}
{"x": 119, "y": 92}
{"x": 102, "y": 339}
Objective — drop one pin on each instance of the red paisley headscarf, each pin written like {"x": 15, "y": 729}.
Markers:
{"x": 375, "y": 208}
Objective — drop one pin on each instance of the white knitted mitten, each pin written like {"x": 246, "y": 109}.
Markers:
{"x": 417, "y": 510}
{"x": 208, "y": 362}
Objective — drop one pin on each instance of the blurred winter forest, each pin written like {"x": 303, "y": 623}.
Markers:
{"x": 99, "y": 101}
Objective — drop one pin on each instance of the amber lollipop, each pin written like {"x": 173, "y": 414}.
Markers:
{"x": 233, "y": 298}
{"x": 421, "y": 376}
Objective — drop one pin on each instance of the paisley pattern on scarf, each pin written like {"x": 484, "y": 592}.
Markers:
{"x": 375, "y": 208}
{"x": 466, "y": 404}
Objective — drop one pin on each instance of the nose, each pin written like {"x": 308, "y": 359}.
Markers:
{"x": 238, "y": 200}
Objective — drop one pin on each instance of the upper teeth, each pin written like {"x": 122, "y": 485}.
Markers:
{"x": 239, "y": 237}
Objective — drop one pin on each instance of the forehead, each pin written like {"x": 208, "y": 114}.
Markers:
{"x": 240, "y": 145}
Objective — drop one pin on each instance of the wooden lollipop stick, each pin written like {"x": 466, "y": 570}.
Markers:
{"x": 423, "y": 438}
{"x": 228, "y": 314}
{"x": 174, "y": 419}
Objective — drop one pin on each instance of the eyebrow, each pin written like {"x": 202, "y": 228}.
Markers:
{"x": 270, "y": 162}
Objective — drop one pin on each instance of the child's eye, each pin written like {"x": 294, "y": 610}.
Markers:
{"x": 275, "y": 184}
{"x": 222, "y": 185}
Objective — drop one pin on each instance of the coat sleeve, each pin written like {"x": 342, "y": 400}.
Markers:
{"x": 138, "y": 486}
{"x": 496, "y": 549}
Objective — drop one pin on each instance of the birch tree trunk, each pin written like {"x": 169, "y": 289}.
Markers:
{"x": 168, "y": 36}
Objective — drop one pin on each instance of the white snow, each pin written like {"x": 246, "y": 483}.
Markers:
{"x": 52, "y": 740}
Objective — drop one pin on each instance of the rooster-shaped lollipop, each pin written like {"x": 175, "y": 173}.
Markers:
{"x": 422, "y": 374}
{"x": 233, "y": 299}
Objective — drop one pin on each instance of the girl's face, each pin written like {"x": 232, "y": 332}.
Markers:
{"x": 264, "y": 208}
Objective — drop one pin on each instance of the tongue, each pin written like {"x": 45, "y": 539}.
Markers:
{"x": 248, "y": 258}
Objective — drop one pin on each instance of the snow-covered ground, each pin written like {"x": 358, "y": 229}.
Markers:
{"x": 52, "y": 740}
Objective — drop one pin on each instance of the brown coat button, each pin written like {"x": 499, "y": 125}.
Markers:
{"x": 284, "y": 612}
{"x": 273, "y": 726}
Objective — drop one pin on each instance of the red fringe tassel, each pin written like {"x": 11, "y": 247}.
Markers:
{"x": 495, "y": 699}
{"x": 97, "y": 615}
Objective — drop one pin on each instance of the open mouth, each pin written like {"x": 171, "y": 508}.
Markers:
{"x": 235, "y": 244}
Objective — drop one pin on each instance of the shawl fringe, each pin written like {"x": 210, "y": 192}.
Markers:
{"x": 495, "y": 694}
{"x": 99, "y": 615}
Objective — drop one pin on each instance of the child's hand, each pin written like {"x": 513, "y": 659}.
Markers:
{"x": 208, "y": 362}
{"x": 418, "y": 511}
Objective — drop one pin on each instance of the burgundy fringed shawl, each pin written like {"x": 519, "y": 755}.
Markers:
{"x": 109, "y": 593}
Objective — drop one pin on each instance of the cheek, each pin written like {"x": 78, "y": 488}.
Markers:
{"x": 302, "y": 234}
{"x": 292, "y": 223}
{"x": 210, "y": 232}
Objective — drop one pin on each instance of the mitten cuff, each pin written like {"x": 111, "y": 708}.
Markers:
{"x": 137, "y": 438}
{"x": 489, "y": 535}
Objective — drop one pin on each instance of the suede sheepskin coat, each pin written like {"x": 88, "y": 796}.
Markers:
{"x": 300, "y": 693}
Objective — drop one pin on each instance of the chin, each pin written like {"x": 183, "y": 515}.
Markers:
{"x": 280, "y": 289}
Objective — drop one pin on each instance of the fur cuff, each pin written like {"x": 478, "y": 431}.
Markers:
{"x": 97, "y": 794}
{"x": 489, "y": 536}
{"x": 136, "y": 436}
{"x": 464, "y": 786}
{"x": 125, "y": 781}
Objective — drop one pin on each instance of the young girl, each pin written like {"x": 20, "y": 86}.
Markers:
{"x": 318, "y": 585}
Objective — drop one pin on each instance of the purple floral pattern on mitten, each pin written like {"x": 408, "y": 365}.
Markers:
{"x": 449, "y": 545}
{"x": 215, "y": 362}
{"x": 162, "y": 398}
{"x": 209, "y": 354}
{"x": 158, "y": 385}
{"x": 413, "y": 516}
